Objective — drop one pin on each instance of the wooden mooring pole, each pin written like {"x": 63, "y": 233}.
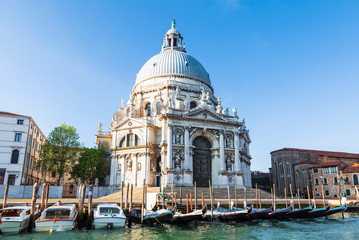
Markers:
{"x": 180, "y": 195}
{"x": 47, "y": 194}
{"x": 126, "y": 199}
{"x": 143, "y": 201}
{"x": 256, "y": 196}
{"x": 202, "y": 200}
{"x": 274, "y": 198}
{"x": 308, "y": 192}
{"x": 229, "y": 197}
{"x": 323, "y": 196}
{"x": 33, "y": 205}
{"x": 291, "y": 194}
{"x": 191, "y": 201}
{"x": 187, "y": 207}
{"x": 195, "y": 195}
{"x": 260, "y": 199}
{"x": 210, "y": 194}
{"x": 285, "y": 195}
{"x": 5, "y": 196}
{"x": 129, "y": 218}
{"x": 43, "y": 196}
{"x": 89, "y": 209}
{"x": 121, "y": 204}
{"x": 235, "y": 194}
{"x": 298, "y": 197}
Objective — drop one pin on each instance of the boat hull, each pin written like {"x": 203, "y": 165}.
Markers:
{"x": 105, "y": 222}
{"x": 9, "y": 227}
{"x": 186, "y": 218}
{"x": 59, "y": 226}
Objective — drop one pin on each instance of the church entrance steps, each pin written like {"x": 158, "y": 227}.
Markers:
{"x": 219, "y": 194}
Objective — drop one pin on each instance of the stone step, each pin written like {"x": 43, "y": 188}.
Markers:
{"x": 219, "y": 193}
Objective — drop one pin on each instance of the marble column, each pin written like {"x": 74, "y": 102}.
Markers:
{"x": 221, "y": 151}
{"x": 163, "y": 131}
{"x": 186, "y": 148}
{"x": 134, "y": 170}
{"x": 169, "y": 147}
{"x": 123, "y": 161}
{"x": 113, "y": 171}
{"x": 237, "y": 162}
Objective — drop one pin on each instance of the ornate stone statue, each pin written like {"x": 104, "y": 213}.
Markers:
{"x": 219, "y": 106}
{"x": 234, "y": 112}
{"x": 99, "y": 127}
{"x": 122, "y": 103}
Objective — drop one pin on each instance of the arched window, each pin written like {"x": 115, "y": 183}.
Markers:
{"x": 304, "y": 174}
{"x": 355, "y": 180}
{"x": 326, "y": 192}
{"x": 148, "y": 109}
{"x": 15, "y": 157}
{"x": 298, "y": 178}
{"x": 289, "y": 174}
{"x": 281, "y": 173}
{"x": 192, "y": 105}
{"x": 130, "y": 140}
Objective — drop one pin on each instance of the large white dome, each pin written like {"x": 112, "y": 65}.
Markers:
{"x": 173, "y": 63}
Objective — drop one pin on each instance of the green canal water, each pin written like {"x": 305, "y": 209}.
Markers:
{"x": 332, "y": 228}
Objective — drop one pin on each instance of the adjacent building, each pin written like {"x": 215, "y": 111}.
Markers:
{"x": 20, "y": 140}
{"x": 174, "y": 129}
{"x": 294, "y": 167}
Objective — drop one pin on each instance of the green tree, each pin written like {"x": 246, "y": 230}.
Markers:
{"x": 60, "y": 151}
{"x": 91, "y": 164}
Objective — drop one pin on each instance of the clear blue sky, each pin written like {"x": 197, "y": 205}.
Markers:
{"x": 290, "y": 67}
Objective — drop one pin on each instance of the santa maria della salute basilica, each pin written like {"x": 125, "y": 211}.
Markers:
{"x": 173, "y": 128}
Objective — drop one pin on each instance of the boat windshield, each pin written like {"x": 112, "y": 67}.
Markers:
{"x": 11, "y": 212}
{"x": 60, "y": 213}
{"x": 108, "y": 210}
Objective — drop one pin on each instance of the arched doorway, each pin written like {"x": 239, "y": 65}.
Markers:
{"x": 201, "y": 161}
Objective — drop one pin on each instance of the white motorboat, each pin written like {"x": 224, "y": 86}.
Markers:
{"x": 109, "y": 216}
{"x": 57, "y": 218}
{"x": 14, "y": 219}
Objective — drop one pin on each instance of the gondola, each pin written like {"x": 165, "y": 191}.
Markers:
{"x": 299, "y": 213}
{"x": 333, "y": 211}
{"x": 279, "y": 213}
{"x": 316, "y": 212}
{"x": 259, "y": 213}
{"x": 227, "y": 215}
{"x": 154, "y": 217}
{"x": 179, "y": 218}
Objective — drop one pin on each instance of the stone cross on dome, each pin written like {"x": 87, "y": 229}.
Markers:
{"x": 173, "y": 23}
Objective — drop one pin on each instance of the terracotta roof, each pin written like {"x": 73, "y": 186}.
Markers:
{"x": 14, "y": 114}
{"x": 322, "y": 153}
{"x": 354, "y": 168}
{"x": 305, "y": 162}
{"x": 328, "y": 164}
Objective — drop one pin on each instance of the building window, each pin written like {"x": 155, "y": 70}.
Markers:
{"x": 289, "y": 176}
{"x": 315, "y": 189}
{"x": 20, "y": 122}
{"x": 333, "y": 170}
{"x": 281, "y": 172}
{"x": 15, "y": 157}
{"x": 355, "y": 180}
{"x": 317, "y": 194}
{"x": 53, "y": 174}
{"x": 131, "y": 140}
{"x": 325, "y": 181}
{"x": 18, "y": 137}
{"x": 11, "y": 179}
{"x": 298, "y": 178}
{"x": 346, "y": 180}
{"x": 148, "y": 109}
{"x": 335, "y": 195}
{"x": 192, "y": 105}
{"x": 316, "y": 181}
{"x": 326, "y": 192}
{"x": 122, "y": 142}
{"x": 335, "y": 181}
{"x": 326, "y": 170}
{"x": 2, "y": 175}
{"x": 315, "y": 170}
{"x": 304, "y": 174}
{"x": 136, "y": 140}
{"x": 347, "y": 192}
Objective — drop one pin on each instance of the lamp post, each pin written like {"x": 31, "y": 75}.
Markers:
{"x": 344, "y": 196}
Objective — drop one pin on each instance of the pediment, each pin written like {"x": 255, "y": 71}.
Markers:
{"x": 129, "y": 123}
{"x": 205, "y": 114}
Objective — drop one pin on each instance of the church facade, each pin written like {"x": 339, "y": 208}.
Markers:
{"x": 173, "y": 128}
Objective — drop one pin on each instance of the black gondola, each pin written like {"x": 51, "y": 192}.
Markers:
{"x": 179, "y": 218}
{"x": 333, "y": 211}
{"x": 299, "y": 213}
{"x": 227, "y": 215}
{"x": 280, "y": 213}
{"x": 259, "y": 213}
{"x": 316, "y": 212}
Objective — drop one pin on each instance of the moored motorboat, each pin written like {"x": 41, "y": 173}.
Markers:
{"x": 188, "y": 217}
{"x": 109, "y": 216}
{"x": 57, "y": 218}
{"x": 14, "y": 219}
